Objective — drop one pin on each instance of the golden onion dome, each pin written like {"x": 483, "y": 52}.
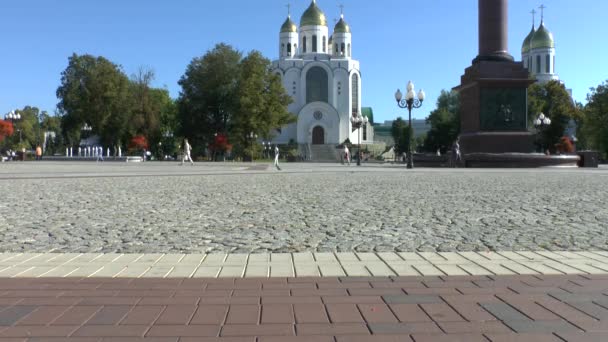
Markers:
{"x": 525, "y": 47}
{"x": 543, "y": 38}
{"x": 342, "y": 26}
{"x": 313, "y": 16}
{"x": 289, "y": 26}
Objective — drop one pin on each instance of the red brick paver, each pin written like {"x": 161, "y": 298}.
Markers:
{"x": 488, "y": 308}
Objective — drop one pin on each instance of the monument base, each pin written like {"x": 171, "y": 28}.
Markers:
{"x": 519, "y": 160}
{"x": 497, "y": 142}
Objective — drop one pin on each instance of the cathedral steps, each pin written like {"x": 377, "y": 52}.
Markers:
{"x": 324, "y": 153}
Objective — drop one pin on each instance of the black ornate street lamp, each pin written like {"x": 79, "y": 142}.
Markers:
{"x": 541, "y": 123}
{"x": 13, "y": 117}
{"x": 358, "y": 121}
{"x": 410, "y": 102}
{"x": 253, "y": 137}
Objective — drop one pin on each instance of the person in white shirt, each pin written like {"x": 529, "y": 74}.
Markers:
{"x": 276, "y": 157}
{"x": 187, "y": 151}
{"x": 347, "y": 154}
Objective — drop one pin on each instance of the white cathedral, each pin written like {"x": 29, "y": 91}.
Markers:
{"x": 538, "y": 52}
{"x": 319, "y": 73}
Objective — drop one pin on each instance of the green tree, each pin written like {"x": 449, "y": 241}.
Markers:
{"x": 402, "y": 135}
{"x": 208, "y": 97}
{"x": 26, "y": 131}
{"x": 262, "y": 103}
{"x": 555, "y": 102}
{"x": 444, "y": 121}
{"x": 595, "y": 124}
{"x": 95, "y": 91}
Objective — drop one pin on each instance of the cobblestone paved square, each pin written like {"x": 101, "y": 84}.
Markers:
{"x": 243, "y": 208}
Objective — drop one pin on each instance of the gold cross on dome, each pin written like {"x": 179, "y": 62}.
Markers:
{"x": 542, "y": 13}
{"x": 533, "y": 17}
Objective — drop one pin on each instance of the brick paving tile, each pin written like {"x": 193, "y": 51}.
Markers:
{"x": 450, "y": 338}
{"x": 376, "y": 338}
{"x": 416, "y": 278}
{"x": 258, "y": 330}
{"x": 262, "y": 293}
{"x": 473, "y": 327}
{"x": 583, "y": 337}
{"x": 472, "y": 312}
{"x": 277, "y": 313}
{"x": 344, "y": 313}
{"x": 397, "y": 285}
{"x": 291, "y": 300}
{"x": 243, "y": 314}
{"x": 534, "y": 311}
{"x": 375, "y": 292}
{"x": 592, "y": 326}
{"x": 541, "y": 326}
{"x": 85, "y": 293}
{"x": 441, "y": 312}
{"x": 109, "y": 315}
{"x": 319, "y": 292}
{"x": 377, "y": 313}
{"x": 412, "y": 299}
{"x": 295, "y": 339}
{"x": 183, "y": 330}
{"x": 361, "y": 285}
{"x": 289, "y": 286}
{"x": 564, "y": 310}
{"x": 204, "y": 293}
{"x": 35, "y": 293}
{"x": 13, "y": 314}
{"x": 310, "y": 313}
{"x": 63, "y": 301}
{"x": 313, "y": 280}
{"x": 591, "y": 309}
{"x": 512, "y": 337}
{"x": 434, "y": 291}
{"x": 61, "y": 339}
{"x": 408, "y": 313}
{"x": 365, "y": 279}
{"x": 109, "y": 300}
{"x": 140, "y": 339}
{"x": 38, "y": 331}
{"x": 142, "y": 315}
{"x": 145, "y": 293}
{"x": 43, "y": 315}
{"x": 114, "y": 331}
{"x": 77, "y": 315}
{"x": 332, "y": 329}
{"x": 169, "y": 301}
{"x": 18, "y": 339}
{"x": 504, "y": 312}
{"x": 450, "y": 284}
{"x": 479, "y": 298}
{"x": 485, "y": 290}
{"x": 210, "y": 314}
{"x": 404, "y": 328}
{"x": 230, "y": 300}
{"x": 218, "y": 339}
{"x": 352, "y": 300}
{"x": 176, "y": 314}
{"x": 11, "y": 301}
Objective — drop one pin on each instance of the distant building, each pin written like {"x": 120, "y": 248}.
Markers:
{"x": 382, "y": 132}
{"x": 324, "y": 80}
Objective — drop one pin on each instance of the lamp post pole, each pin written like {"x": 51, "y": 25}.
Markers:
{"x": 252, "y": 136}
{"x": 13, "y": 117}
{"x": 541, "y": 123}
{"x": 410, "y": 101}
{"x": 357, "y": 120}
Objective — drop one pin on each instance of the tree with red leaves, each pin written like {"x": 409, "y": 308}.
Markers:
{"x": 6, "y": 129}
{"x": 138, "y": 142}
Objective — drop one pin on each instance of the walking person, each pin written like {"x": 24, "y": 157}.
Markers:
{"x": 347, "y": 154}
{"x": 38, "y": 152}
{"x": 276, "y": 157}
{"x": 187, "y": 151}
{"x": 456, "y": 155}
{"x": 99, "y": 154}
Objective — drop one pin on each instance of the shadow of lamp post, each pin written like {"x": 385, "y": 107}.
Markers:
{"x": 410, "y": 102}
{"x": 358, "y": 121}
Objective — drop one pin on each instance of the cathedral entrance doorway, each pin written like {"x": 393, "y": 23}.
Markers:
{"x": 318, "y": 136}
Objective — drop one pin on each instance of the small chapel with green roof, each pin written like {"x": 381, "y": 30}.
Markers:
{"x": 318, "y": 71}
{"x": 538, "y": 52}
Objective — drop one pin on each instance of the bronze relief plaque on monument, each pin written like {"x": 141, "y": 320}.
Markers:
{"x": 503, "y": 109}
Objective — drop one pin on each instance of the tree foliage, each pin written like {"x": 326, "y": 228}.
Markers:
{"x": 595, "y": 124}
{"x": 444, "y": 121}
{"x": 402, "y": 135}
{"x": 222, "y": 92}
{"x": 555, "y": 102}
{"x": 6, "y": 129}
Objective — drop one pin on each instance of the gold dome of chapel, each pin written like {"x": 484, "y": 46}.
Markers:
{"x": 313, "y": 16}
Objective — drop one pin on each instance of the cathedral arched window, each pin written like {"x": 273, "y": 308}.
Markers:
{"x": 349, "y": 55}
{"x": 289, "y": 50}
{"x": 538, "y": 64}
{"x": 317, "y": 89}
{"x": 282, "y": 49}
{"x": 314, "y": 43}
{"x": 355, "y": 93}
{"x": 548, "y": 64}
{"x": 336, "y": 50}
{"x": 324, "y": 44}
{"x": 342, "y": 48}
{"x": 304, "y": 44}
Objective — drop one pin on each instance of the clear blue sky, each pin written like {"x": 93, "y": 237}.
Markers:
{"x": 430, "y": 42}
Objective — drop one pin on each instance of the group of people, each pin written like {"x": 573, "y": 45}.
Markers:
{"x": 187, "y": 155}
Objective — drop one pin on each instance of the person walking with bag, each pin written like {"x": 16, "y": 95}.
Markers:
{"x": 276, "y": 157}
{"x": 187, "y": 151}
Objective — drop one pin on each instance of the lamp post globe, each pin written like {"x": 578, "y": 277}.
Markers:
{"x": 409, "y": 102}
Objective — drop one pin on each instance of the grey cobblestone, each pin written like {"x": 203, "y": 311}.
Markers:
{"x": 227, "y": 208}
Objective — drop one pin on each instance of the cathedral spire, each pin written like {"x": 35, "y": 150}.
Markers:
{"x": 542, "y": 13}
{"x": 288, "y": 10}
{"x": 533, "y": 18}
